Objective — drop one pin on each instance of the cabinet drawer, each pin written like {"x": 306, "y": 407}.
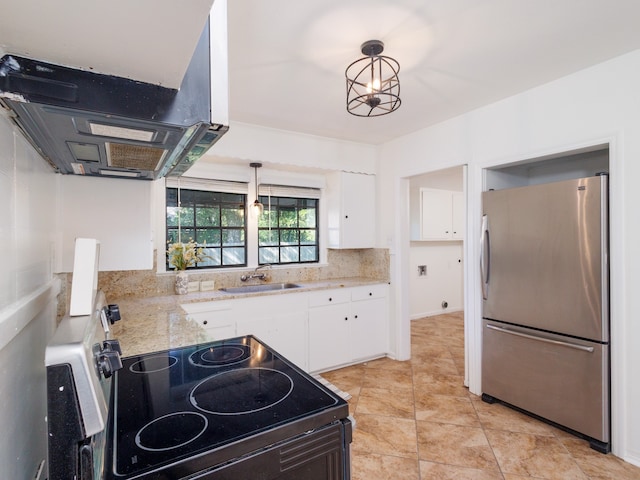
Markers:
{"x": 368, "y": 292}
{"x": 329, "y": 297}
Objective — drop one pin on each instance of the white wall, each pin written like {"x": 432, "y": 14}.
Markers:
{"x": 117, "y": 212}
{"x": 595, "y": 106}
{"x": 122, "y": 213}
{"x": 443, "y": 281}
{"x": 259, "y": 144}
{"x": 28, "y": 201}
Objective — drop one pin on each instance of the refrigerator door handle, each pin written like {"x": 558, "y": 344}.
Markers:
{"x": 485, "y": 257}
{"x": 541, "y": 339}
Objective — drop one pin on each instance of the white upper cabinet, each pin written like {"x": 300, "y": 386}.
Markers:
{"x": 457, "y": 215}
{"x": 351, "y": 210}
{"x": 441, "y": 215}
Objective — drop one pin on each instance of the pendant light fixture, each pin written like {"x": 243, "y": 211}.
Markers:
{"x": 373, "y": 87}
{"x": 256, "y": 207}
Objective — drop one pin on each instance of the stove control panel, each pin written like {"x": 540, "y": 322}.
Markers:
{"x": 82, "y": 343}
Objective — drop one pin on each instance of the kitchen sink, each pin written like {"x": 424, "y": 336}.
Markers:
{"x": 265, "y": 287}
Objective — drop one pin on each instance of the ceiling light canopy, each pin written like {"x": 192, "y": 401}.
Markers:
{"x": 373, "y": 87}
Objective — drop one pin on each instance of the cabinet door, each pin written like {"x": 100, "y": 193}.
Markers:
{"x": 368, "y": 324}
{"x": 351, "y": 210}
{"x": 284, "y": 332}
{"x": 457, "y": 215}
{"x": 436, "y": 214}
{"x": 358, "y": 196}
{"x": 329, "y": 343}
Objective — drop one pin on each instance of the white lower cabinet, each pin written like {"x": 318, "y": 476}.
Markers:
{"x": 285, "y": 332}
{"x": 346, "y": 326}
{"x": 216, "y": 318}
{"x": 329, "y": 338}
{"x": 280, "y": 321}
{"x": 369, "y": 322}
{"x": 317, "y": 330}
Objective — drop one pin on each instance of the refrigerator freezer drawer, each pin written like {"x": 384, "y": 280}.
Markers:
{"x": 555, "y": 377}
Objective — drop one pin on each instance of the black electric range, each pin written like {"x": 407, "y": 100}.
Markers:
{"x": 227, "y": 410}
{"x": 217, "y": 407}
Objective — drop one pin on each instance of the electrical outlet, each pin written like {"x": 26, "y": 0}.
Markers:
{"x": 422, "y": 270}
{"x": 206, "y": 285}
{"x": 193, "y": 286}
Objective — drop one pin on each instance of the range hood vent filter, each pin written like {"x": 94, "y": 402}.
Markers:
{"x": 135, "y": 157}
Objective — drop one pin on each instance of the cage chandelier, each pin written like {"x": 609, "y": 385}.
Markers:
{"x": 373, "y": 87}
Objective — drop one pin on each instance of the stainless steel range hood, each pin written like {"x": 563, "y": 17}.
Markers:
{"x": 100, "y": 125}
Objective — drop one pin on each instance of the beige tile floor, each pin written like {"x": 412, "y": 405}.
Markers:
{"x": 416, "y": 421}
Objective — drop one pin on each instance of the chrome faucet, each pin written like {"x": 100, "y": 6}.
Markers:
{"x": 255, "y": 274}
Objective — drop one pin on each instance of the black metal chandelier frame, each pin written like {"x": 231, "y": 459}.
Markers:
{"x": 373, "y": 87}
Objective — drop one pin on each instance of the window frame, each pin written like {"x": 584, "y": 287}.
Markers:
{"x": 270, "y": 205}
{"x": 194, "y": 227}
{"x": 239, "y": 183}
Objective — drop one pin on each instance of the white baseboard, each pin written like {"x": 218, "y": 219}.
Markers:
{"x": 632, "y": 459}
{"x": 416, "y": 316}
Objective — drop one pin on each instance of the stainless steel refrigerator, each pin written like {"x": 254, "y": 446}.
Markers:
{"x": 545, "y": 279}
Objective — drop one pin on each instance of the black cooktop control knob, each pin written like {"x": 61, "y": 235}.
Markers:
{"x": 112, "y": 345}
{"x": 113, "y": 313}
{"x": 109, "y": 362}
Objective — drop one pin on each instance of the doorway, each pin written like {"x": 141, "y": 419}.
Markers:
{"x": 435, "y": 255}
{"x": 436, "y": 242}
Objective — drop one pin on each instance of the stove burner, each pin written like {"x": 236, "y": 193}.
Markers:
{"x": 220, "y": 355}
{"x": 240, "y": 391}
{"x": 171, "y": 431}
{"x": 156, "y": 363}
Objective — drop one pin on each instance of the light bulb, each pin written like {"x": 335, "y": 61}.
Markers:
{"x": 257, "y": 208}
{"x": 373, "y": 87}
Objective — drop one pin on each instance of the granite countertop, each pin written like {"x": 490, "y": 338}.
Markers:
{"x": 158, "y": 323}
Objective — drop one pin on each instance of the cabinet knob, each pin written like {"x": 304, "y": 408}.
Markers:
{"x": 355, "y": 316}
{"x": 346, "y": 318}
{"x": 370, "y": 294}
{"x": 204, "y": 322}
{"x": 346, "y": 216}
{"x": 330, "y": 299}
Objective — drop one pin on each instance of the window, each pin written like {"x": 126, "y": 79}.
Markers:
{"x": 213, "y": 219}
{"x": 212, "y": 213}
{"x": 288, "y": 230}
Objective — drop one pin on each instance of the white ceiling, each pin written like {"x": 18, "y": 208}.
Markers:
{"x": 287, "y": 57}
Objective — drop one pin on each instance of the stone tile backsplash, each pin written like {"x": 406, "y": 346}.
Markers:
{"x": 364, "y": 263}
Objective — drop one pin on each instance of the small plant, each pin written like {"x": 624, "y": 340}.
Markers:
{"x": 185, "y": 255}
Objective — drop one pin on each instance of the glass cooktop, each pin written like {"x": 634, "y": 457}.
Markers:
{"x": 181, "y": 407}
